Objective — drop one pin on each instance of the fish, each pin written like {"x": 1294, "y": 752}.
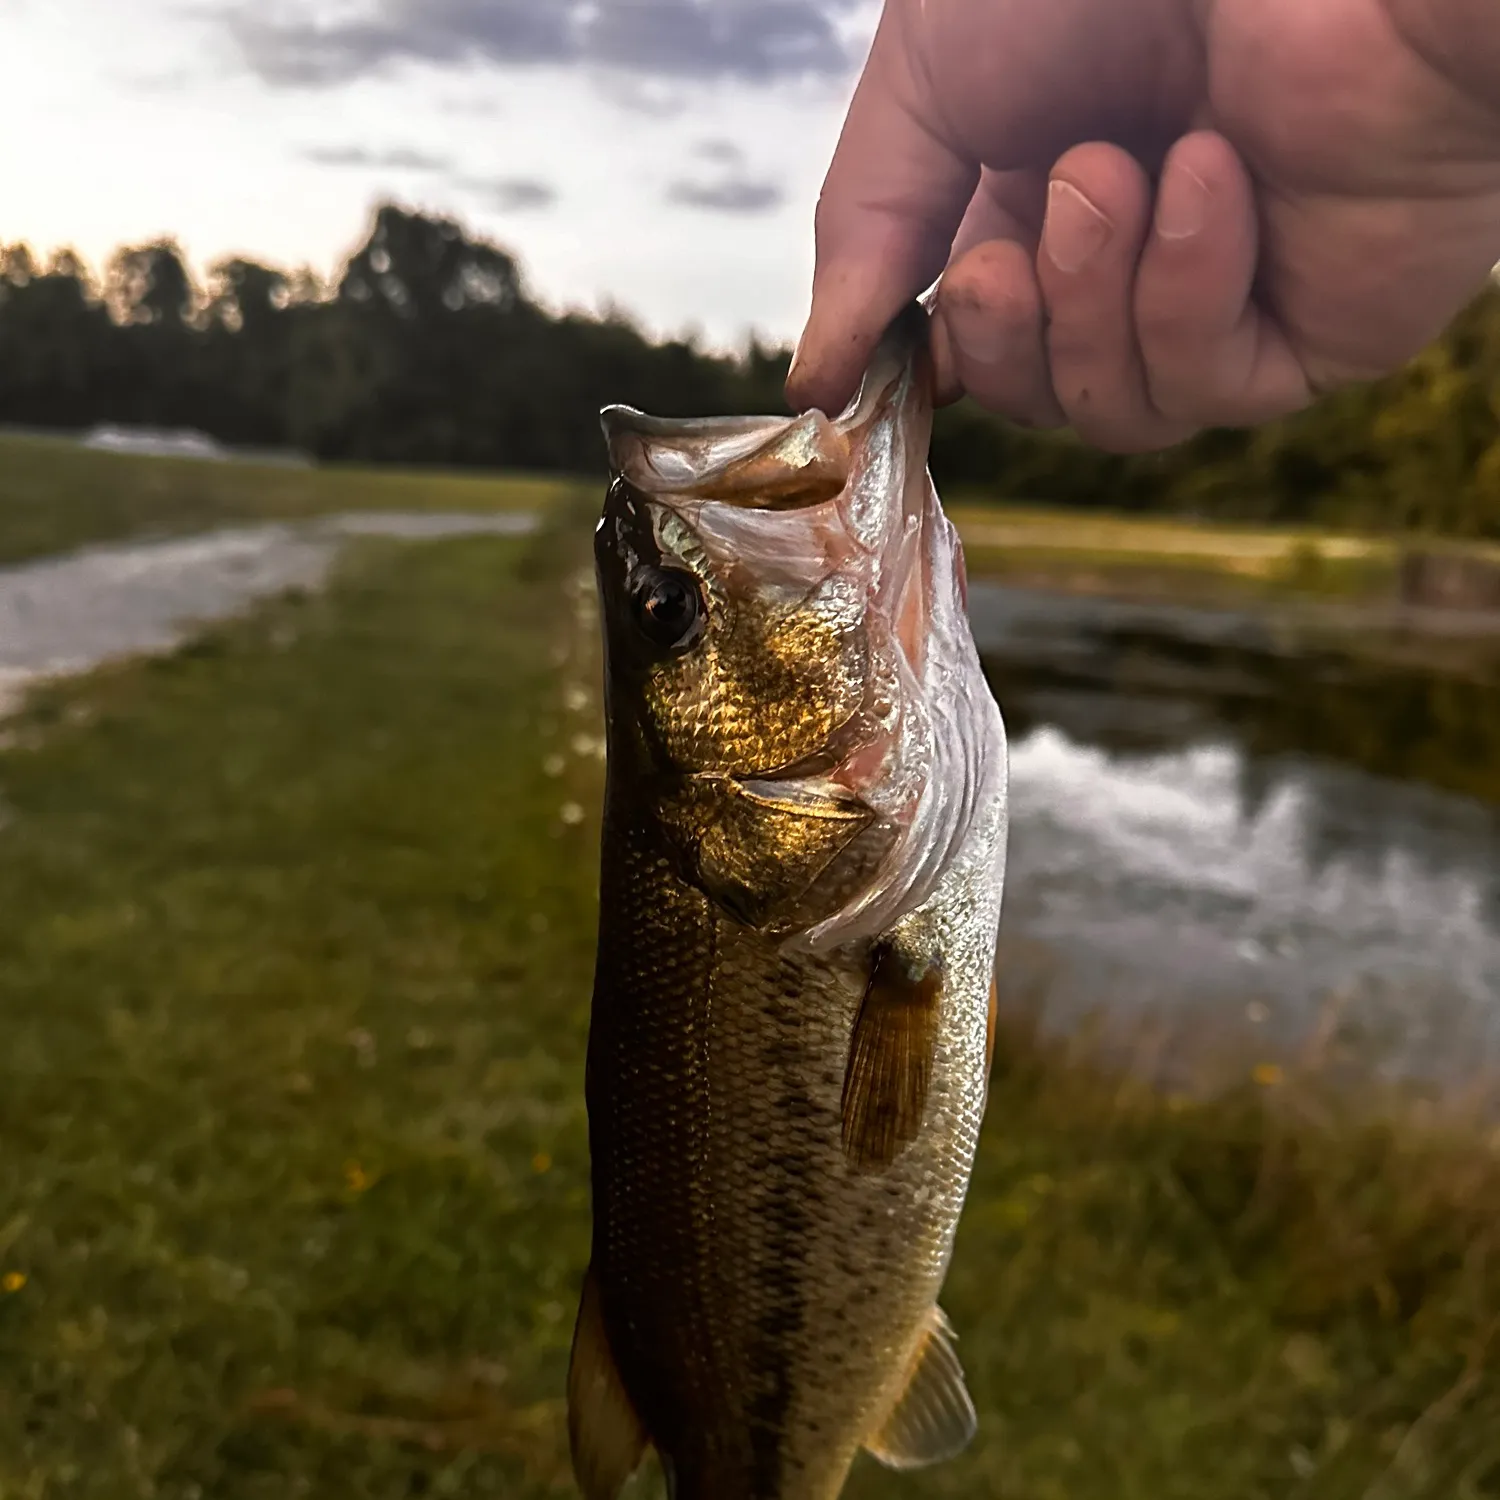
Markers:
{"x": 801, "y": 869}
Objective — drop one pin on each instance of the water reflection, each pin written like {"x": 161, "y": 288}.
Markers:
{"x": 1218, "y": 818}
{"x": 1142, "y": 678}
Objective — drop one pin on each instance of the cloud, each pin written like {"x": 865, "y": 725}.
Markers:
{"x": 655, "y": 98}
{"x": 751, "y": 41}
{"x": 396, "y": 159}
{"x": 723, "y": 153}
{"x": 510, "y": 194}
{"x": 729, "y": 195}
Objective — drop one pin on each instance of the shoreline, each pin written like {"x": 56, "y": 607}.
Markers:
{"x": 1448, "y": 640}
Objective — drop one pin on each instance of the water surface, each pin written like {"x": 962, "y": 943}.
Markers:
{"x": 1249, "y": 832}
{"x": 67, "y": 614}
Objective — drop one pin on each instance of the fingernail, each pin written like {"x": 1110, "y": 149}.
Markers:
{"x": 1182, "y": 204}
{"x": 1075, "y": 231}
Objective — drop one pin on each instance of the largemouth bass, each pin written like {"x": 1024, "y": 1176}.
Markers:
{"x": 803, "y": 854}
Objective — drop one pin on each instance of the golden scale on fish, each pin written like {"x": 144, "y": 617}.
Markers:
{"x": 794, "y": 1007}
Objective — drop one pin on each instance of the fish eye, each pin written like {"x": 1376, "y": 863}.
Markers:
{"x": 668, "y": 608}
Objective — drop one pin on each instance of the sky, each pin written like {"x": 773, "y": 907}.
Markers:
{"x": 663, "y": 156}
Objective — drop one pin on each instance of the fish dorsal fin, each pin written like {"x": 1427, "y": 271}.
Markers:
{"x": 934, "y": 1417}
{"x": 604, "y": 1433}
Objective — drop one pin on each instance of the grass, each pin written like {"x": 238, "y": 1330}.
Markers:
{"x": 1255, "y": 1294}
{"x": 56, "y": 496}
{"x": 1043, "y": 528}
{"x": 1175, "y": 559}
{"x": 295, "y": 940}
{"x": 294, "y": 989}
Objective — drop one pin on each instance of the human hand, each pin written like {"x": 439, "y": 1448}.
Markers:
{"x": 1152, "y": 216}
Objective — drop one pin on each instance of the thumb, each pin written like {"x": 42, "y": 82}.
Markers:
{"x": 890, "y": 207}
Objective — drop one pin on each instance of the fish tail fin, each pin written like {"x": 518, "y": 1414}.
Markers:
{"x": 933, "y": 1418}
{"x": 605, "y": 1436}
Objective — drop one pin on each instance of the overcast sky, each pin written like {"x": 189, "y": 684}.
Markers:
{"x": 665, "y": 154}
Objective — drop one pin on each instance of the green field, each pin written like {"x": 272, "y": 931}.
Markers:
{"x": 295, "y": 946}
{"x": 55, "y": 496}
{"x": 1167, "y": 557}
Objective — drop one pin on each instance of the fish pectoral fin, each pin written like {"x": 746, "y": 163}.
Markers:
{"x": 605, "y": 1435}
{"x": 890, "y": 1059}
{"x": 934, "y": 1417}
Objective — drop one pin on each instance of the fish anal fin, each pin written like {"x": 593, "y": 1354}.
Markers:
{"x": 933, "y": 1418}
{"x": 890, "y": 1060}
{"x": 605, "y": 1435}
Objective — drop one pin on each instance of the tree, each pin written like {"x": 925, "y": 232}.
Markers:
{"x": 425, "y": 349}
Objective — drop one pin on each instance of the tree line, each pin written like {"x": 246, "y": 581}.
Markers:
{"x": 426, "y": 349}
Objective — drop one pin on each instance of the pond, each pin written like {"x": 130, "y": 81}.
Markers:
{"x": 1250, "y": 832}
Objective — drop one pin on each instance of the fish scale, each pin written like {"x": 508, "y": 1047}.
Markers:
{"x": 782, "y": 1131}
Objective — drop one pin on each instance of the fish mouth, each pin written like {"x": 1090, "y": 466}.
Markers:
{"x": 853, "y": 498}
{"x": 772, "y": 463}
{"x": 857, "y": 482}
